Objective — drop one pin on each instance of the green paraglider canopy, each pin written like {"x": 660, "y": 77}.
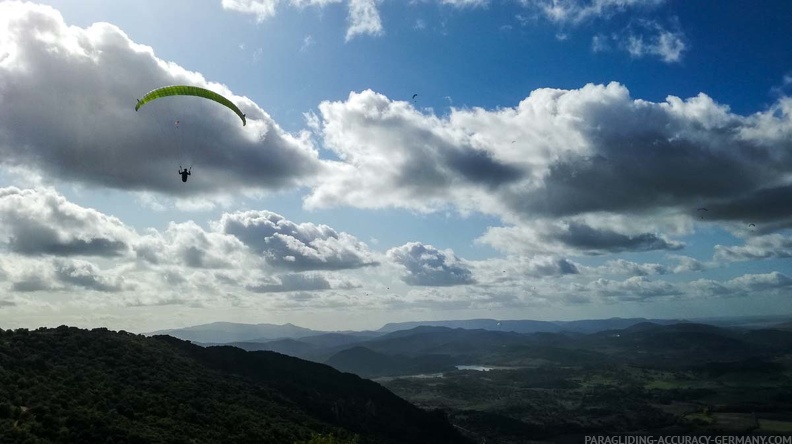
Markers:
{"x": 186, "y": 90}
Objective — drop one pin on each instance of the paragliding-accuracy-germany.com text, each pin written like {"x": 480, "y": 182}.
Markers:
{"x": 680, "y": 439}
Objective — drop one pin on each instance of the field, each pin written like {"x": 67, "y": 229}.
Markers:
{"x": 548, "y": 403}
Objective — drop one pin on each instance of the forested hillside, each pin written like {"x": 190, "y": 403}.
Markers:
{"x": 73, "y": 385}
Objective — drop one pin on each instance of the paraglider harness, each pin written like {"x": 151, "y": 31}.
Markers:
{"x": 185, "y": 173}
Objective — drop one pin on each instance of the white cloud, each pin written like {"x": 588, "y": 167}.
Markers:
{"x": 667, "y": 45}
{"x": 291, "y": 282}
{"x": 426, "y": 265}
{"x": 600, "y": 43}
{"x": 577, "y": 11}
{"x": 573, "y": 238}
{"x": 746, "y": 285}
{"x": 42, "y": 222}
{"x": 637, "y": 288}
{"x": 465, "y": 3}
{"x": 364, "y": 18}
{"x": 302, "y": 282}
{"x": 317, "y": 3}
{"x": 688, "y": 264}
{"x": 774, "y": 246}
{"x": 46, "y": 243}
{"x": 84, "y": 274}
{"x": 308, "y": 41}
{"x": 293, "y": 246}
{"x": 762, "y": 282}
{"x": 262, "y": 9}
{"x": 187, "y": 244}
{"x": 645, "y": 38}
{"x": 239, "y": 262}
{"x": 591, "y": 170}
{"x": 629, "y": 268}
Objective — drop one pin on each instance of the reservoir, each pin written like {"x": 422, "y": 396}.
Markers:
{"x": 478, "y": 368}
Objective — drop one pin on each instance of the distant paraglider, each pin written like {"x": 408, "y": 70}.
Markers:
{"x": 414, "y": 96}
{"x": 701, "y": 213}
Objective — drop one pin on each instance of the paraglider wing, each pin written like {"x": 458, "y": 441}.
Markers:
{"x": 186, "y": 90}
{"x": 414, "y": 96}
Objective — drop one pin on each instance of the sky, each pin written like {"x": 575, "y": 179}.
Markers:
{"x": 402, "y": 160}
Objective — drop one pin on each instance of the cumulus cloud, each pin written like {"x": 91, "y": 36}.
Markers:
{"x": 291, "y": 282}
{"x": 687, "y": 264}
{"x": 189, "y": 245}
{"x": 42, "y": 222}
{"x": 597, "y": 241}
{"x": 426, "y": 265}
{"x": 364, "y": 18}
{"x": 544, "y": 237}
{"x": 569, "y": 159}
{"x": 411, "y": 160}
{"x": 629, "y": 268}
{"x": 86, "y": 275}
{"x": 299, "y": 247}
{"x": 518, "y": 269}
{"x": 262, "y": 9}
{"x": 635, "y": 289}
{"x": 746, "y": 285}
{"x": 184, "y": 263}
{"x": 67, "y": 114}
{"x": 34, "y": 283}
{"x": 762, "y": 282}
{"x": 775, "y": 246}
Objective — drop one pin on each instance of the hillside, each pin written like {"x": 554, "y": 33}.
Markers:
{"x": 435, "y": 349}
{"x": 73, "y": 385}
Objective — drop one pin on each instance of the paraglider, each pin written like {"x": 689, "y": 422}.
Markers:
{"x": 414, "y": 96}
{"x": 186, "y": 90}
{"x": 184, "y": 173}
{"x": 700, "y": 211}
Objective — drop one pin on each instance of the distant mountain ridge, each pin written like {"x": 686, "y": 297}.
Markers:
{"x": 530, "y": 326}
{"x": 229, "y": 332}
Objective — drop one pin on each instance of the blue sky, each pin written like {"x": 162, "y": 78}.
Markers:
{"x": 550, "y": 167}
